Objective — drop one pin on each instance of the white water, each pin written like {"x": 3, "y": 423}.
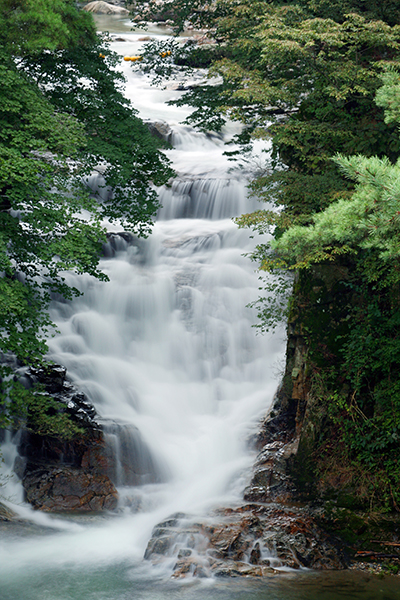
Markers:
{"x": 166, "y": 351}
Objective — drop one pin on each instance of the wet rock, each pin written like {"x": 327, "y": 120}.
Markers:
{"x": 19, "y": 467}
{"x": 161, "y": 130}
{"x": 166, "y": 536}
{"x": 69, "y": 489}
{"x": 278, "y": 443}
{"x": 239, "y": 569}
{"x": 255, "y": 555}
{"x": 161, "y": 545}
{"x": 61, "y": 475}
{"x": 249, "y": 541}
{"x": 128, "y": 458}
{"x": 200, "y": 572}
{"x": 53, "y": 380}
{"x": 105, "y": 8}
{"x": 6, "y": 514}
{"x": 229, "y": 542}
{"x": 51, "y": 376}
{"x": 44, "y": 450}
{"x": 125, "y": 241}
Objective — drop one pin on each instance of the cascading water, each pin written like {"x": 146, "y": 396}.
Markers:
{"x": 165, "y": 349}
{"x": 166, "y": 353}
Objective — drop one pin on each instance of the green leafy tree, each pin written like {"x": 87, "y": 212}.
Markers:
{"x": 62, "y": 114}
{"x": 347, "y": 260}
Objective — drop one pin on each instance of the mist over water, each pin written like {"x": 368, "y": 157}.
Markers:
{"x": 167, "y": 353}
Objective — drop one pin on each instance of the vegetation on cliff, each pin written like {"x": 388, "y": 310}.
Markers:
{"x": 321, "y": 79}
{"x": 62, "y": 114}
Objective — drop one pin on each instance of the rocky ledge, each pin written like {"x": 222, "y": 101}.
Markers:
{"x": 252, "y": 541}
{"x": 69, "y": 489}
{"x": 59, "y": 475}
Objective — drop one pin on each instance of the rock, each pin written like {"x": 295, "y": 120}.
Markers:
{"x": 63, "y": 475}
{"x": 246, "y": 542}
{"x": 229, "y": 542}
{"x": 293, "y": 536}
{"x": 129, "y": 459}
{"x": 43, "y": 450}
{"x": 6, "y": 514}
{"x": 255, "y": 554}
{"x": 105, "y": 8}
{"x": 161, "y": 130}
{"x": 75, "y": 403}
{"x": 240, "y": 569}
{"x": 69, "y": 489}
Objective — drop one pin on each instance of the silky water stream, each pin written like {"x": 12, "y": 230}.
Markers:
{"x": 166, "y": 352}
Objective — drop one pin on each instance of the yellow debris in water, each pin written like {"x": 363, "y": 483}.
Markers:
{"x": 127, "y": 58}
{"x": 102, "y": 55}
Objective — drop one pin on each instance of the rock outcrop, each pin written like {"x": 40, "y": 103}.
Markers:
{"x": 65, "y": 475}
{"x": 69, "y": 489}
{"x": 252, "y": 541}
{"x": 6, "y": 514}
{"x": 105, "y": 8}
{"x": 161, "y": 130}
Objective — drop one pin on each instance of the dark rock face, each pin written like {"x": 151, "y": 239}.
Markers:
{"x": 69, "y": 489}
{"x": 119, "y": 242}
{"x": 62, "y": 475}
{"x": 129, "y": 460}
{"x": 39, "y": 450}
{"x": 53, "y": 378}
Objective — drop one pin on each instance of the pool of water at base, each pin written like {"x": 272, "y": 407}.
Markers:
{"x": 122, "y": 582}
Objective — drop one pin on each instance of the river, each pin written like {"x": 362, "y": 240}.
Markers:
{"x": 167, "y": 353}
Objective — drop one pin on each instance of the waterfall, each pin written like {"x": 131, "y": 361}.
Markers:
{"x": 166, "y": 352}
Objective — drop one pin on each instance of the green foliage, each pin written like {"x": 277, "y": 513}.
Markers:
{"x": 369, "y": 220}
{"x": 320, "y": 71}
{"x": 62, "y": 114}
{"x": 30, "y": 26}
{"x": 388, "y": 95}
{"x": 37, "y": 411}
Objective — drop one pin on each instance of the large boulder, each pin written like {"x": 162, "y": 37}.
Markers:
{"x": 104, "y": 8}
{"x": 64, "y": 475}
{"x": 69, "y": 489}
